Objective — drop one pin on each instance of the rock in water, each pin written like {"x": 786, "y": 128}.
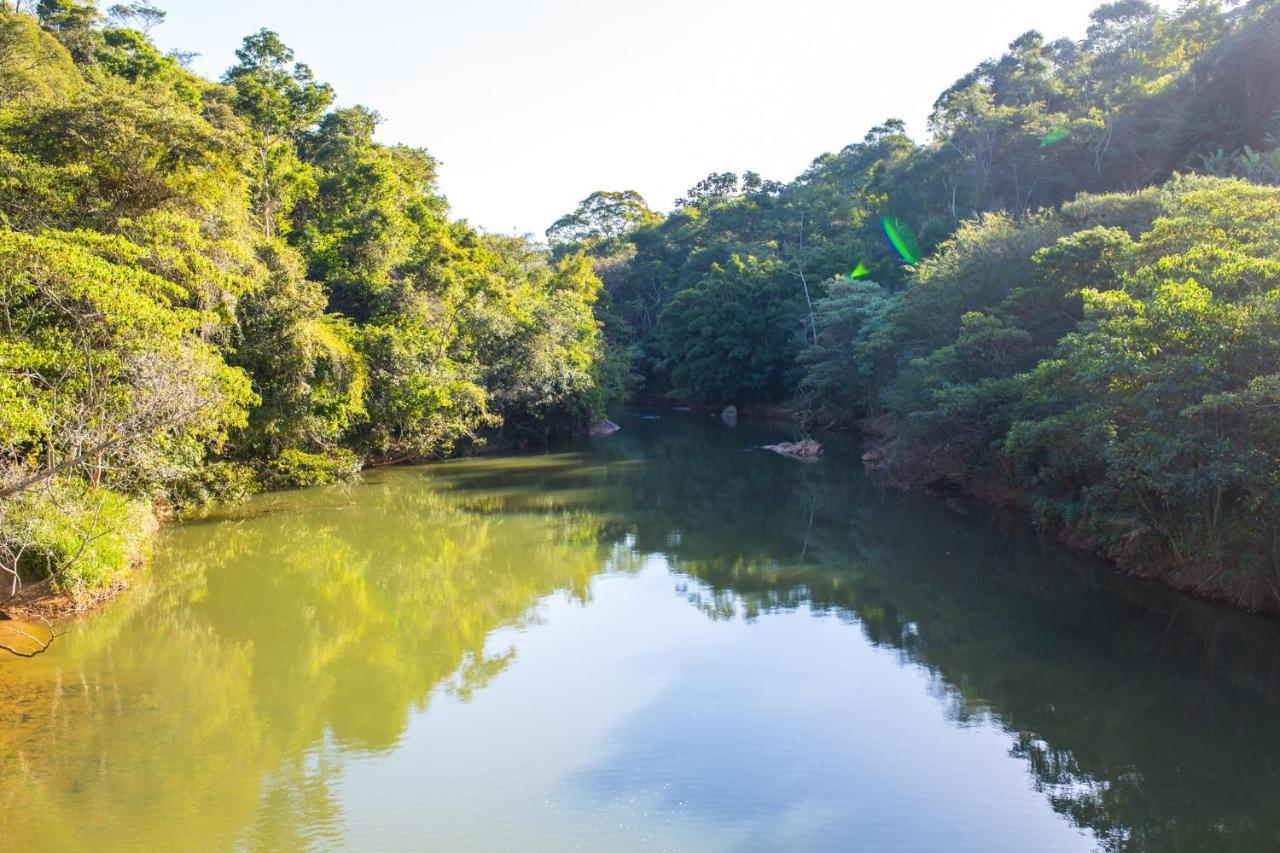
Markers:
{"x": 806, "y": 449}
{"x": 730, "y": 415}
{"x": 879, "y": 453}
{"x": 600, "y": 429}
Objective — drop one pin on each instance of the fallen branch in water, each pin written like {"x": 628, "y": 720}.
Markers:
{"x": 41, "y": 646}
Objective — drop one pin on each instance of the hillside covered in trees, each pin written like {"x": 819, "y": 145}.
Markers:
{"x": 1067, "y": 299}
{"x": 211, "y": 287}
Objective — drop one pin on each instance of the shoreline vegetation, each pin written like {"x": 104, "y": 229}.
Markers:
{"x": 209, "y": 289}
{"x": 1065, "y": 301}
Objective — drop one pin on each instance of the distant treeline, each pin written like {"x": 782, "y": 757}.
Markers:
{"x": 1067, "y": 299}
{"x": 208, "y": 287}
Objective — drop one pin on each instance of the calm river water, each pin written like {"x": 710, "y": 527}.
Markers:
{"x": 661, "y": 640}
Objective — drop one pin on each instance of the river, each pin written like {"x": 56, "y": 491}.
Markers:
{"x": 666, "y": 639}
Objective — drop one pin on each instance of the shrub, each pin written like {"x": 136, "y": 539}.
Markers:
{"x": 298, "y": 468}
{"x": 84, "y": 538}
{"x": 216, "y": 481}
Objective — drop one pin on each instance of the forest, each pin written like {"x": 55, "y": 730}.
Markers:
{"x": 210, "y": 288}
{"x": 1066, "y": 299}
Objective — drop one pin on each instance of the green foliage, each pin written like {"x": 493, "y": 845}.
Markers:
{"x": 114, "y": 152}
{"x": 293, "y": 468}
{"x": 1080, "y": 329}
{"x": 1156, "y": 408}
{"x": 143, "y": 14}
{"x": 736, "y": 335}
{"x": 100, "y": 367}
{"x": 838, "y": 379}
{"x": 33, "y": 64}
{"x": 1112, "y": 364}
{"x": 202, "y": 279}
{"x": 276, "y": 98}
{"x": 202, "y": 283}
{"x": 310, "y": 380}
{"x": 601, "y": 217}
{"x": 83, "y": 538}
{"x": 1144, "y": 95}
{"x": 420, "y": 402}
{"x": 374, "y": 224}
{"x": 540, "y": 344}
{"x": 215, "y": 481}
{"x": 278, "y": 101}
{"x": 72, "y": 22}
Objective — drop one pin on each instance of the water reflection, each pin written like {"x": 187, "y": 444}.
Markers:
{"x": 1148, "y": 719}
{"x": 283, "y": 640}
{"x": 275, "y": 637}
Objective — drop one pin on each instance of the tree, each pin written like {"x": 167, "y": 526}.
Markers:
{"x": 838, "y": 377}
{"x": 309, "y": 378}
{"x": 72, "y": 22}
{"x": 715, "y": 186}
{"x": 209, "y": 288}
{"x": 600, "y": 217}
{"x": 279, "y": 98}
{"x": 735, "y": 336}
{"x": 33, "y": 64}
{"x": 145, "y": 16}
{"x": 101, "y": 370}
{"x": 540, "y": 344}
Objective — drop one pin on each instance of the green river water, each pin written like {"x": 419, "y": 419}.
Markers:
{"x": 660, "y": 640}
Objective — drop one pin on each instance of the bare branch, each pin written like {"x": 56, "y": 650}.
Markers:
{"x": 41, "y": 646}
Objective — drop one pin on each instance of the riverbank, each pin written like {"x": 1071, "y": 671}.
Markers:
{"x": 778, "y": 412}
{"x": 1136, "y": 550}
{"x": 645, "y": 605}
{"x": 40, "y": 600}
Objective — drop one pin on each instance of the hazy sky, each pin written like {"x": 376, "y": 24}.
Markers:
{"x": 532, "y": 105}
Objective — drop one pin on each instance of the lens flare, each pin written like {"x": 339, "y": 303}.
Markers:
{"x": 902, "y": 239}
{"x": 1054, "y": 136}
{"x": 860, "y": 271}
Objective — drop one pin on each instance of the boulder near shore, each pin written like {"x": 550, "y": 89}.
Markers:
{"x": 599, "y": 429}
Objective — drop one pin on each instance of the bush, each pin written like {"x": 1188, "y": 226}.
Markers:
{"x": 216, "y": 481}
{"x": 298, "y": 468}
{"x": 85, "y": 538}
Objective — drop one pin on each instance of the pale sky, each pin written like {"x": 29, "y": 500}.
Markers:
{"x": 531, "y": 105}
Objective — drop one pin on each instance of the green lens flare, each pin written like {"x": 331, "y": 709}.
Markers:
{"x": 860, "y": 271}
{"x": 902, "y": 239}
{"x": 1054, "y": 136}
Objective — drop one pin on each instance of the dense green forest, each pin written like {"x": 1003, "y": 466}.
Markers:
{"x": 211, "y": 287}
{"x": 1066, "y": 299}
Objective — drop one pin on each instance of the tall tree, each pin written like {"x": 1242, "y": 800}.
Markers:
{"x": 279, "y": 98}
{"x": 602, "y": 216}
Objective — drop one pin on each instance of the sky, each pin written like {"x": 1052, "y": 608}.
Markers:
{"x": 531, "y": 105}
